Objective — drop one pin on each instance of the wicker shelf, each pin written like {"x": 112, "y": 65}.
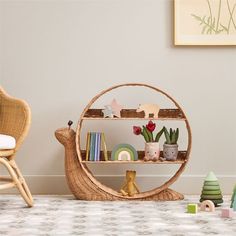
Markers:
{"x": 182, "y": 158}
{"x": 131, "y": 114}
{"x": 81, "y": 180}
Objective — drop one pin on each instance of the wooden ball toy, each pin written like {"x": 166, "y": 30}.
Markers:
{"x": 207, "y": 205}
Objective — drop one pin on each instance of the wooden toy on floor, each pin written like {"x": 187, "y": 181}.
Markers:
{"x": 226, "y": 213}
{"x": 207, "y": 205}
{"x": 192, "y": 208}
{"x": 211, "y": 190}
{"x": 233, "y": 199}
{"x": 149, "y": 109}
{"x": 130, "y": 187}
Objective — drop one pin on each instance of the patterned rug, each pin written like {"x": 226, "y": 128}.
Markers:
{"x": 62, "y": 215}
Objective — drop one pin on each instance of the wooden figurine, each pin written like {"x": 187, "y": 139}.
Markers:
{"x": 116, "y": 108}
{"x": 207, "y": 205}
{"x": 226, "y": 213}
{"x": 149, "y": 109}
{"x": 234, "y": 203}
{"x": 130, "y": 187}
{"x": 192, "y": 208}
{"x": 107, "y": 112}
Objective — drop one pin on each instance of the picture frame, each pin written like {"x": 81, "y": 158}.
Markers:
{"x": 204, "y": 22}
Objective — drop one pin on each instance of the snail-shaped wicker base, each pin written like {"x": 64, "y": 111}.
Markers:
{"x": 81, "y": 185}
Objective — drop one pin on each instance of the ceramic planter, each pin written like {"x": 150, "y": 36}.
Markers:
{"x": 170, "y": 152}
{"x": 152, "y": 151}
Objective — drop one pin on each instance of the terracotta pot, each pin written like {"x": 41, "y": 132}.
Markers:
{"x": 152, "y": 151}
{"x": 170, "y": 152}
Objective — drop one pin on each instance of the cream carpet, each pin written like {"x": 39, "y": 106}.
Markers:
{"x": 62, "y": 215}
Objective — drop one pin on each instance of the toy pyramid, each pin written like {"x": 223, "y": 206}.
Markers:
{"x": 233, "y": 199}
{"x": 211, "y": 190}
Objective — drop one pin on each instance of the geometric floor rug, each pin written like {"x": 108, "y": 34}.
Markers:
{"x": 62, "y": 215}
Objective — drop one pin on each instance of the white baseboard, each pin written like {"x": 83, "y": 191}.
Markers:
{"x": 186, "y": 184}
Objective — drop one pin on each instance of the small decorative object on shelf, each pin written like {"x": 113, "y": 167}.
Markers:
{"x": 149, "y": 109}
{"x": 124, "y": 152}
{"x": 233, "y": 199}
{"x": 227, "y": 213}
{"x": 192, "y": 208}
{"x": 211, "y": 190}
{"x": 152, "y": 147}
{"x": 207, "y": 205}
{"x": 112, "y": 110}
{"x": 130, "y": 187}
{"x": 170, "y": 147}
{"x": 93, "y": 146}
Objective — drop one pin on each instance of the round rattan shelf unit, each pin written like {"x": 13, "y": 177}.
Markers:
{"x": 92, "y": 189}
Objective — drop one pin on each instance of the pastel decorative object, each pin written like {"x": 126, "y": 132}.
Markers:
{"x": 227, "y": 213}
{"x": 149, "y": 109}
{"x": 170, "y": 147}
{"x": 192, "y": 208}
{"x": 124, "y": 152}
{"x": 211, "y": 190}
{"x": 233, "y": 198}
{"x": 207, "y": 205}
{"x": 234, "y": 203}
{"x": 152, "y": 151}
{"x": 116, "y": 108}
{"x": 129, "y": 187}
{"x": 107, "y": 112}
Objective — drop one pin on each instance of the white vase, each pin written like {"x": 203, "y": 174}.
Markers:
{"x": 152, "y": 151}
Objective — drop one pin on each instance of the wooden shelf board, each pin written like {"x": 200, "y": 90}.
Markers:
{"x": 131, "y": 114}
{"x": 135, "y": 162}
{"x": 180, "y": 160}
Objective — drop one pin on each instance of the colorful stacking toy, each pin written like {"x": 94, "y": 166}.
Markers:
{"x": 211, "y": 190}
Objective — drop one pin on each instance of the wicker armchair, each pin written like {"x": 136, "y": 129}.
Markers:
{"x": 15, "y": 119}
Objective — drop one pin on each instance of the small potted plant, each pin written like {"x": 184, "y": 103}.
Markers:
{"x": 152, "y": 147}
{"x": 170, "y": 147}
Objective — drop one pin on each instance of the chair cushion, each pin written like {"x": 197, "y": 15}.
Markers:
{"x": 7, "y": 142}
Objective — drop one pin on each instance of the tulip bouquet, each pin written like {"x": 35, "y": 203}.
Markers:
{"x": 147, "y": 132}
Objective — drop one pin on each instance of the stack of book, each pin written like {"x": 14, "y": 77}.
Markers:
{"x": 95, "y": 141}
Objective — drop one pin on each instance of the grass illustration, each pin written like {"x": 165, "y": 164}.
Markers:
{"x": 212, "y": 24}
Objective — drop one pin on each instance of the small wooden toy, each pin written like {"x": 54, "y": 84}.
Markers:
{"x": 226, "y": 213}
{"x": 207, "y": 205}
{"x": 211, "y": 190}
{"x": 234, "y": 203}
{"x": 107, "y": 112}
{"x": 116, "y": 108}
{"x": 149, "y": 109}
{"x": 130, "y": 187}
{"x": 192, "y": 208}
{"x": 233, "y": 198}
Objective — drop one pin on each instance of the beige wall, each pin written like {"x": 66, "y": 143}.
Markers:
{"x": 58, "y": 54}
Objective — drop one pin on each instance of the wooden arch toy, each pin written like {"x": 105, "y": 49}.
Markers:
{"x": 207, "y": 205}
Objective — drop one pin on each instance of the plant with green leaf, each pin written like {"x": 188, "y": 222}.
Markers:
{"x": 147, "y": 132}
{"x": 233, "y": 197}
{"x": 171, "y": 135}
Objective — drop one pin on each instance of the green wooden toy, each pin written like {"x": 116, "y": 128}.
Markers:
{"x": 192, "y": 208}
{"x": 211, "y": 190}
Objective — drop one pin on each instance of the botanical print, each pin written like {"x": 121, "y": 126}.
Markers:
{"x": 213, "y": 24}
{"x": 205, "y": 22}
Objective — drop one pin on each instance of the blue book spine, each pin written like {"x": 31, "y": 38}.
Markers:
{"x": 99, "y": 146}
{"x": 91, "y": 154}
{"x": 96, "y": 147}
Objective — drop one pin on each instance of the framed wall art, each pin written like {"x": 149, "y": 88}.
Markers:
{"x": 205, "y": 22}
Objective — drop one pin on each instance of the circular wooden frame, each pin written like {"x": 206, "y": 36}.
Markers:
{"x": 109, "y": 191}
